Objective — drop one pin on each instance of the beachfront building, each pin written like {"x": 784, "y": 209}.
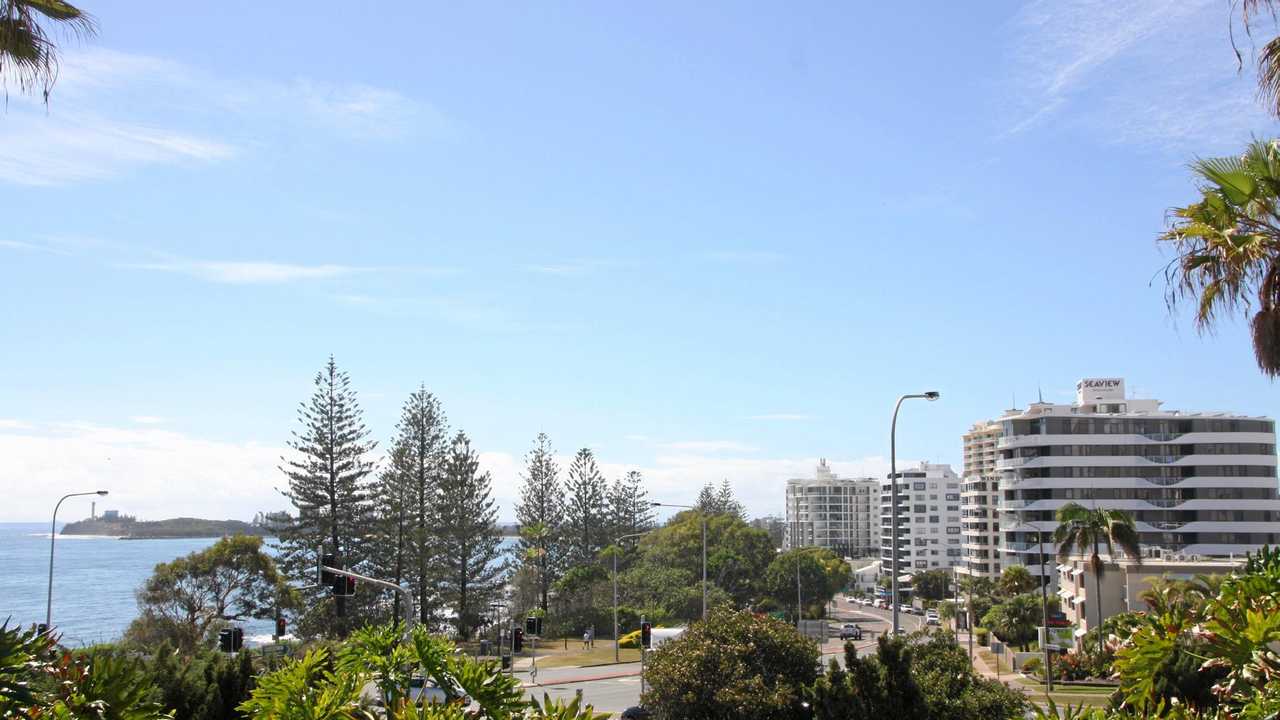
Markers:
{"x": 828, "y": 511}
{"x": 1197, "y": 483}
{"x": 928, "y": 519}
{"x": 979, "y": 502}
{"x": 1122, "y": 583}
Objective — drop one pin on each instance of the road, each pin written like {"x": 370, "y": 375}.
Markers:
{"x": 614, "y": 688}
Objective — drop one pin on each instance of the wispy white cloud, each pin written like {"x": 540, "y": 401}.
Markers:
{"x": 677, "y": 477}
{"x": 570, "y": 267}
{"x": 708, "y": 446}
{"x": 1158, "y": 73}
{"x": 148, "y": 420}
{"x": 248, "y": 272}
{"x": 790, "y": 417}
{"x": 744, "y": 257}
{"x": 149, "y": 471}
{"x": 55, "y": 150}
{"x": 113, "y": 113}
{"x": 32, "y": 247}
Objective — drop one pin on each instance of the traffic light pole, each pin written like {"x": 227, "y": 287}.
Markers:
{"x": 404, "y": 592}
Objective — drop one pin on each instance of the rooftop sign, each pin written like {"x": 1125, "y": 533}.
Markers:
{"x": 1091, "y": 389}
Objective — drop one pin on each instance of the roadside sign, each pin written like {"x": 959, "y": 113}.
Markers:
{"x": 1052, "y": 647}
{"x": 997, "y": 648}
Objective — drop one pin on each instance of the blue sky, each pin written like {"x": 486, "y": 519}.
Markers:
{"x": 709, "y": 241}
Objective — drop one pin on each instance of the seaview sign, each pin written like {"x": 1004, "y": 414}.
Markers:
{"x": 1100, "y": 389}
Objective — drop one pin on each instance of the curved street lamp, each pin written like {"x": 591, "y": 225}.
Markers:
{"x": 893, "y": 497}
{"x": 53, "y": 535}
{"x": 704, "y": 549}
{"x": 617, "y": 543}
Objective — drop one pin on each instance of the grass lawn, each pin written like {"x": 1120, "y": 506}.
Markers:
{"x": 554, "y": 655}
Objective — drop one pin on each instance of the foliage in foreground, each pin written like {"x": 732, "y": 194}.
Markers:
{"x": 39, "y": 681}
{"x": 735, "y": 665}
{"x": 1228, "y": 246}
{"x": 932, "y": 679}
{"x": 1210, "y": 659}
{"x": 319, "y": 687}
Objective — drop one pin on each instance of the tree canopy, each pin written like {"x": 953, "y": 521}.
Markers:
{"x": 233, "y": 579}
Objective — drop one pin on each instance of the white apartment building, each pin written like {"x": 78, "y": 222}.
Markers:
{"x": 1122, "y": 584}
{"x": 1197, "y": 483}
{"x": 840, "y": 514}
{"x": 980, "y": 501}
{"x": 928, "y": 519}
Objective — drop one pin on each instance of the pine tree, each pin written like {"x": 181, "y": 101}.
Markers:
{"x": 328, "y": 487}
{"x": 421, "y": 442}
{"x": 727, "y": 503}
{"x": 585, "y": 512}
{"x": 391, "y": 555}
{"x": 629, "y": 508}
{"x": 468, "y": 534}
{"x": 541, "y": 517}
{"x": 708, "y": 501}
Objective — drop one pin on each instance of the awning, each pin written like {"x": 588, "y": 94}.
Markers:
{"x": 1064, "y": 593}
{"x": 1078, "y": 571}
{"x": 1077, "y": 600}
{"x": 1064, "y": 568}
{"x": 1079, "y": 632}
{"x": 904, "y": 578}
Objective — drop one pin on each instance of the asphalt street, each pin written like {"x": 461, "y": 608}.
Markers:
{"x": 614, "y": 688}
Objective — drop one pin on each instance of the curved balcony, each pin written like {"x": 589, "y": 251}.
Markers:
{"x": 1164, "y": 503}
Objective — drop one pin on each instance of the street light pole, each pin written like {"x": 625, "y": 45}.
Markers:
{"x": 703, "y": 516}
{"x": 53, "y": 535}
{"x": 1044, "y": 605}
{"x": 893, "y": 496}
{"x": 617, "y": 543}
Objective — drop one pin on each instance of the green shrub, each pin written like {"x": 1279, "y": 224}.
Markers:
{"x": 982, "y": 635}
{"x": 1033, "y": 667}
{"x": 733, "y": 665}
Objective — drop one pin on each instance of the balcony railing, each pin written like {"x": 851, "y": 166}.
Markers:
{"x": 1164, "y": 503}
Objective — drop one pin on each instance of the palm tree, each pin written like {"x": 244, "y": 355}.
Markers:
{"x": 1228, "y": 245}
{"x": 28, "y": 55}
{"x": 1083, "y": 531}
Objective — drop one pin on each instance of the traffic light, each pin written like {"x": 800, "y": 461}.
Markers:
{"x": 324, "y": 577}
{"x": 646, "y": 636}
{"x": 280, "y": 627}
{"x": 533, "y": 626}
{"x": 517, "y": 640}
{"x": 230, "y": 639}
{"x": 344, "y": 586}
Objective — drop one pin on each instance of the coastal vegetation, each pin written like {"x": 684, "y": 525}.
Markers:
{"x": 130, "y": 528}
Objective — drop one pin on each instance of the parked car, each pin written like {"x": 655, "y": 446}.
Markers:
{"x": 932, "y": 620}
{"x": 850, "y": 631}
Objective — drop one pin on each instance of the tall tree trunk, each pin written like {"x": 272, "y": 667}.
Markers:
{"x": 1097, "y": 601}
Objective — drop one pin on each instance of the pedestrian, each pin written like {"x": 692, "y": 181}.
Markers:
{"x": 586, "y": 639}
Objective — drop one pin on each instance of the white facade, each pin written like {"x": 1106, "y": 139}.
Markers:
{"x": 929, "y": 527}
{"x": 980, "y": 501}
{"x": 1122, "y": 584}
{"x": 1198, "y": 484}
{"x": 840, "y": 514}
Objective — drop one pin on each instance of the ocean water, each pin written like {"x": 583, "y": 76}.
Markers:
{"x": 94, "y": 579}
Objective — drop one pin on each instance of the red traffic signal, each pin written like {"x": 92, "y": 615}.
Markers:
{"x": 517, "y": 640}
{"x": 646, "y": 635}
{"x": 280, "y": 627}
{"x": 344, "y": 586}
